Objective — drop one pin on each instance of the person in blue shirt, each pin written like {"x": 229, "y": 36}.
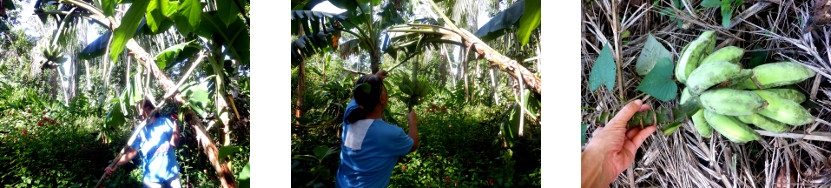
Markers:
{"x": 156, "y": 143}
{"x": 371, "y": 146}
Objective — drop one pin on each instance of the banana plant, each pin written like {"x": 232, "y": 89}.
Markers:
{"x": 318, "y": 30}
{"x": 217, "y": 29}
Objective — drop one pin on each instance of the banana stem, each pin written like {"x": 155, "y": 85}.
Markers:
{"x": 660, "y": 116}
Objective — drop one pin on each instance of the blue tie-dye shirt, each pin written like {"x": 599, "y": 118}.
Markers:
{"x": 158, "y": 157}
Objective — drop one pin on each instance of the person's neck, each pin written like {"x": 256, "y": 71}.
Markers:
{"x": 376, "y": 114}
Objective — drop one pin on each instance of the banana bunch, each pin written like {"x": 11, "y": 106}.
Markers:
{"x": 414, "y": 90}
{"x": 733, "y": 98}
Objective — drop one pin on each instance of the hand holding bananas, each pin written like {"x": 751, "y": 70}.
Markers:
{"x": 732, "y": 98}
{"x": 613, "y": 147}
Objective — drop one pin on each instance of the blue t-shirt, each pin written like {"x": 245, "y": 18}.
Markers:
{"x": 158, "y": 157}
{"x": 372, "y": 164}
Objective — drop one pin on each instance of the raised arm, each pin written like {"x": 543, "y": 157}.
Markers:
{"x": 413, "y": 118}
{"x": 174, "y": 139}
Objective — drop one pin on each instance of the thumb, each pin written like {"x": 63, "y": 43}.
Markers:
{"x": 626, "y": 113}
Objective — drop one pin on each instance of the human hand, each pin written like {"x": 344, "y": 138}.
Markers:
{"x": 412, "y": 117}
{"x": 109, "y": 170}
{"x": 382, "y": 74}
{"x": 612, "y": 148}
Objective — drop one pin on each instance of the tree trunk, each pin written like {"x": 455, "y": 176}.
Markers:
{"x": 301, "y": 86}
{"x": 222, "y": 108}
{"x": 375, "y": 60}
{"x": 482, "y": 50}
{"x": 464, "y": 63}
{"x": 494, "y": 88}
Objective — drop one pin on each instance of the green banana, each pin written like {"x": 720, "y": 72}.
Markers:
{"x": 784, "y": 110}
{"x": 693, "y": 53}
{"x": 732, "y": 129}
{"x": 790, "y": 94}
{"x": 685, "y": 96}
{"x": 405, "y": 88}
{"x": 776, "y": 74}
{"x": 764, "y": 123}
{"x": 719, "y": 72}
{"x": 730, "y": 54}
{"x": 732, "y": 102}
{"x": 701, "y": 124}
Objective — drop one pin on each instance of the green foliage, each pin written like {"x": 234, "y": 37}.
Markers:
{"x": 671, "y": 13}
{"x": 196, "y": 98}
{"x": 96, "y": 48}
{"x": 650, "y": 54}
{"x": 108, "y": 6}
{"x": 188, "y": 16}
{"x": 604, "y": 70}
{"x": 727, "y": 8}
{"x": 583, "y": 133}
{"x": 225, "y": 151}
{"x": 658, "y": 82}
{"x": 244, "y": 177}
{"x": 670, "y": 128}
{"x": 757, "y": 57}
{"x": 129, "y": 23}
{"x": 170, "y": 54}
{"x": 504, "y": 20}
{"x": 228, "y": 11}
{"x": 36, "y": 131}
{"x": 157, "y": 12}
{"x": 530, "y": 20}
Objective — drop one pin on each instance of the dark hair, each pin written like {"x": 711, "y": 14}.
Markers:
{"x": 367, "y": 93}
{"x": 145, "y": 105}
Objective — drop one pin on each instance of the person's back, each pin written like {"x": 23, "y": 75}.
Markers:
{"x": 371, "y": 147}
{"x": 157, "y": 155}
{"x": 156, "y": 143}
{"x": 370, "y": 150}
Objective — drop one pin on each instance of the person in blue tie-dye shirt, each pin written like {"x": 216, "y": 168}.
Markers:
{"x": 371, "y": 146}
{"x": 156, "y": 143}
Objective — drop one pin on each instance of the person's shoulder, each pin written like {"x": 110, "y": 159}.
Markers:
{"x": 386, "y": 127}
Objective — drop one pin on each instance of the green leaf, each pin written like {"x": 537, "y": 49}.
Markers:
{"x": 583, "y": 133}
{"x": 96, "y": 48}
{"x": 349, "y": 5}
{"x": 169, "y": 54}
{"x": 136, "y": 91}
{"x": 726, "y": 12}
{"x": 225, "y": 151}
{"x": 108, "y": 6}
{"x": 711, "y": 3}
{"x": 669, "y": 129}
{"x": 115, "y": 118}
{"x": 650, "y": 54}
{"x": 659, "y": 83}
{"x": 604, "y": 70}
{"x": 157, "y": 12}
{"x": 228, "y": 11}
{"x": 245, "y": 176}
{"x": 757, "y": 57}
{"x": 503, "y": 20}
{"x": 125, "y": 31}
{"x": 188, "y": 16}
{"x": 197, "y": 97}
{"x": 320, "y": 152}
{"x": 530, "y": 20}
{"x": 376, "y": 2}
